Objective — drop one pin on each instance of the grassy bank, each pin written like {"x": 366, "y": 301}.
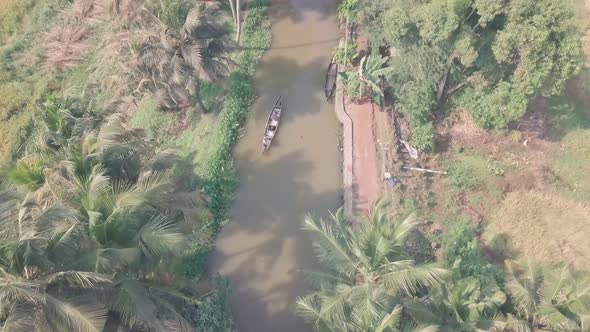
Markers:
{"x": 208, "y": 143}
{"x": 51, "y": 105}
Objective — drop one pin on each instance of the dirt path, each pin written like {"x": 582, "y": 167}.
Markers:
{"x": 365, "y": 159}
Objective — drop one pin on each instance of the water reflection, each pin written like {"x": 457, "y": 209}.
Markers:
{"x": 263, "y": 249}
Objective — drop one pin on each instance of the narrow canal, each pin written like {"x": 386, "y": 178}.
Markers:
{"x": 263, "y": 250}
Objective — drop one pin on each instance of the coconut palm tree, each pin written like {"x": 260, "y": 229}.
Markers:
{"x": 367, "y": 272}
{"x": 460, "y": 305}
{"x": 547, "y": 300}
{"x": 38, "y": 239}
{"x": 173, "y": 62}
{"x": 62, "y": 301}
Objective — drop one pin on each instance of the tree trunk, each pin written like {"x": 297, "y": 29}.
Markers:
{"x": 459, "y": 86}
{"x": 346, "y": 45}
{"x": 443, "y": 82}
{"x": 238, "y": 22}
{"x": 200, "y": 104}
{"x": 233, "y": 11}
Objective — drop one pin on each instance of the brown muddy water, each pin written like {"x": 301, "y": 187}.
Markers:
{"x": 263, "y": 249}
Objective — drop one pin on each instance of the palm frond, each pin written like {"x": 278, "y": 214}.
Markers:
{"x": 320, "y": 279}
{"x": 13, "y": 290}
{"x": 409, "y": 280}
{"x": 331, "y": 249}
{"x": 83, "y": 316}
{"x": 133, "y": 305}
{"x": 391, "y": 320}
{"x": 78, "y": 279}
{"x": 160, "y": 238}
{"x": 192, "y": 55}
{"x": 308, "y": 308}
{"x": 21, "y": 318}
{"x": 110, "y": 260}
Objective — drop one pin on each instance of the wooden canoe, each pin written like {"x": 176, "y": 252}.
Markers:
{"x": 330, "y": 84}
{"x": 272, "y": 124}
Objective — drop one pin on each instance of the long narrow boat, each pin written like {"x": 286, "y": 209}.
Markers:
{"x": 272, "y": 124}
{"x": 331, "y": 74}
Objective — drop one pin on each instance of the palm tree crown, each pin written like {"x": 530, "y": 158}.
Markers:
{"x": 367, "y": 274}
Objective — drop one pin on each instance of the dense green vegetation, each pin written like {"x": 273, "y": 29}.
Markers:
{"x": 371, "y": 283}
{"x": 109, "y": 205}
{"x": 487, "y": 57}
{"x": 466, "y": 74}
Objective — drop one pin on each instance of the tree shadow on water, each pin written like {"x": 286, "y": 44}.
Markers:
{"x": 302, "y": 87}
{"x": 263, "y": 249}
{"x": 296, "y": 9}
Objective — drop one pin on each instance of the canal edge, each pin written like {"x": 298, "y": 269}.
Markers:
{"x": 347, "y": 163}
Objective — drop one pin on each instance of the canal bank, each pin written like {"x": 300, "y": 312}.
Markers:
{"x": 263, "y": 250}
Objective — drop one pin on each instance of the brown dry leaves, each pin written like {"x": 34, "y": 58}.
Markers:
{"x": 545, "y": 226}
{"x": 66, "y": 46}
{"x": 67, "y": 43}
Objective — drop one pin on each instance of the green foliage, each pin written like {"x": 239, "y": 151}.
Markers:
{"x": 214, "y": 311}
{"x": 172, "y": 13}
{"x": 462, "y": 304}
{"x": 156, "y": 124}
{"x": 348, "y": 8}
{"x": 221, "y": 179}
{"x": 461, "y": 242}
{"x": 554, "y": 299}
{"x": 349, "y": 52}
{"x": 210, "y": 93}
{"x": 15, "y": 117}
{"x": 416, "y": 75}
{"x": 544, "y": 37}
{"x": 494, "y": 108}
{"x": 193, "y": 263}
{"x": 368, "y": 80}
{"x": 11, "y": 15}
{"x": 367, "y": 274}
{"x": 571, "y": 165}
{"x": 461, "y": 176}
{"x": 423, "y": 137}
{"x": 196, "y": 50}
{"x": 28, "y": 172}
{"x": 256, "y": 37}
{"x": 494, "y": 55}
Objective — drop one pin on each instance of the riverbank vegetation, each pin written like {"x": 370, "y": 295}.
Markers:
{"x": 374, "y": 278}
{"x": 118, "y": 119}
{"x": 494, "y": 93}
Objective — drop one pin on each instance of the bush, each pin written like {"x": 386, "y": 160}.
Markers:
{"x": 350, "y": 53}
{"x": 156, "y": 124}
{"x": 213, "y": 312}
{"x": 28, "y": 172}
{"x": 256, "y": 37}
{"x": 210, "y": 93}
{"x": 494, "y": 109}
{"x": 461, "y": 242}
{"x": 461, "y": 176}
{"x": 423, "y": 137}
{"x": 193, "y": 263}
